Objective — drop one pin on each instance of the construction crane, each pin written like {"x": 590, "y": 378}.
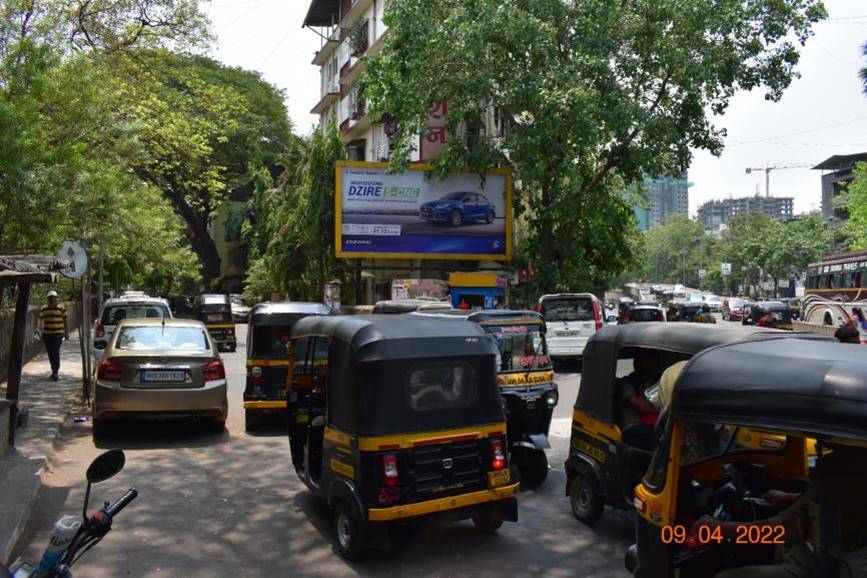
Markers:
{"x": 767, "y": 169}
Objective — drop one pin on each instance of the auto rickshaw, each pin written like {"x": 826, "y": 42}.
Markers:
{"x": 768, "y": 314}
{"x": 526, "y": 380}
{"x": 399, "y": 306}
{"x": 798, "y": 389}
{"x": 403, "y": 421}
{"x": 215, "y": 311}
{"x": 268, "y": 356}
{"x": 601, "y": 470}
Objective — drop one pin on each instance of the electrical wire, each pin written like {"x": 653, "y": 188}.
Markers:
{"x": 800, "y": 132}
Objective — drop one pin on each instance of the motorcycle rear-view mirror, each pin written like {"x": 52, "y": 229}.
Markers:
{"x": 106, "y": 466}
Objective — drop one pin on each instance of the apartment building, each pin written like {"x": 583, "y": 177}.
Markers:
{"x": 348, "y": 29}
{"x": 837, "y": 173}
{"x": 715, "y": 214}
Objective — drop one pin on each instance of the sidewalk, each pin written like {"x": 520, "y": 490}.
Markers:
{"x": 48, "y": 404}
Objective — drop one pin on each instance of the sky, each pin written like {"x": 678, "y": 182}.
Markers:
{"x": 823, "y": 113}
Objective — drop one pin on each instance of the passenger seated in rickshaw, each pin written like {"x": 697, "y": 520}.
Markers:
{"x": 638, "y": 414}
{"x": 825, "y": 526}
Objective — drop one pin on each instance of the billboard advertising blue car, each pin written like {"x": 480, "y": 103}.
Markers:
{"x": 417, "y": 215}
{"x": 458, "y": 208}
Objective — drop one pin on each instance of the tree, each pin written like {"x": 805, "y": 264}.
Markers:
{"x": 673, "y": 251}
{"x": 855, "y": 202}
{"x": 600, "y": 94}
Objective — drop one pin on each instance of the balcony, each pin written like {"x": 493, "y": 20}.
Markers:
{"x": 326, "y": 101}
{"x": 359, "y": 37}
{"x": 355, "y": 12}
{"x": 329, "y": 45}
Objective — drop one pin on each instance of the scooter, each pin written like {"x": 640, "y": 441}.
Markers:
{"x": 72, "y": 537}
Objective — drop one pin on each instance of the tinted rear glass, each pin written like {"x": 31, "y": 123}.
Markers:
{"x": 114, "y": 314}
{"x": 646, "y": 315}
{"x": 441, "y": 385}
{"x": 152, "y": 338}
{"x": 270, "y": 343}
{"x": 568, "y": 309}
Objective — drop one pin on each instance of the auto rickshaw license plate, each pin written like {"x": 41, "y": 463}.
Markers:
{"x": 498, "y": 478}
{"x": 281, "y": 393}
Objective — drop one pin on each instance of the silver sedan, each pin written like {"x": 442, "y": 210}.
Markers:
{"x": 160, "y": 368}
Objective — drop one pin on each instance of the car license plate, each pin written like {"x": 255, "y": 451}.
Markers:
{"x": 498, "y": 478}
{"x": 215, "y": 317}
{"x": 163, "y": 375}
{"x": 567, "y": 333}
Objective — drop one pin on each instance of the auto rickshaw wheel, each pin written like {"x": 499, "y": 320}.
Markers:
{"x": 347, "y": 529}
{"x": 586, "y": 504}
{"x": 488, "y": 520}
{"x": 252, "y": 419}
{"x": 533, "y": 466}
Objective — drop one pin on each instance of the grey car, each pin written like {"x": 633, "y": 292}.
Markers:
{"x": 160, "y": 368}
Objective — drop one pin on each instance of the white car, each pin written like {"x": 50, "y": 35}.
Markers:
{"x": 571, "y": 319}
{"x": 130, "y": 305}
{"x": 714, "y": 302}
{"x": 240, "y": 310}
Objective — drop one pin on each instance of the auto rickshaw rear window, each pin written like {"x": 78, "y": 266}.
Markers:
{"x": 521, "y": 347}
{"x": 441, "y": 385}
{"x": 269, "y": 343}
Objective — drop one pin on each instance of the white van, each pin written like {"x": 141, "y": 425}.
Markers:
{"x": 571, "y": 319}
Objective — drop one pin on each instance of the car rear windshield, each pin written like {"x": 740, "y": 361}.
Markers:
{"x": 114, "y": 314}
{"x": 160, "y": 338}
{"x": 522, "y": 346}
{"x": 646, "y": 315}
{"x": 270, "y": 343}
{"x": 736, "y": 303}
{"x": 568, "y": 309}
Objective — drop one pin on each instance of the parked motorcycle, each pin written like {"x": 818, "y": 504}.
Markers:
{"x": 71, "y": 537}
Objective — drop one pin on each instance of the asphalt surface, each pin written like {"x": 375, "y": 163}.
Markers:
{"x": 414, "y": 225}
{"x": 230, "y": 504}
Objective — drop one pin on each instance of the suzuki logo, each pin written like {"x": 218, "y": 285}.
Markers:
{"x": 448, "y": 463}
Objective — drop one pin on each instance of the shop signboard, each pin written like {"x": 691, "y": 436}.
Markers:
{"x": 413, "y": 215}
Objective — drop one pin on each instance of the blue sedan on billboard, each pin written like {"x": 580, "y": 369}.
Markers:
{"x": 456, "y": 208}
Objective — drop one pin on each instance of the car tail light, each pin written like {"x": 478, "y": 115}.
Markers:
{"x": 255, "y": 375}
{"x": 389, "y": 469}
{"x": 214, "y": 371}
{"x": 597, "y": 315}
{"x": 498, "y": 455}
{"x": 109, "y": 370}
{"x": 100, "y": 330}
{"x": 538, "y": 308}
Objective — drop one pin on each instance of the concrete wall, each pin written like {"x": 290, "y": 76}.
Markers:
{"x": 31, "y": 348}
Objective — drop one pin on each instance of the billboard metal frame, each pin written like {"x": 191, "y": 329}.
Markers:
{"x": 338, "y": 215}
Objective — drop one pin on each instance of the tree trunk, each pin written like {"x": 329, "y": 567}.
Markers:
{"x": 206, "y": 250}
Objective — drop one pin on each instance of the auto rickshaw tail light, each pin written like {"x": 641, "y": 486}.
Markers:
{"x": 498, "y": 456}
{"x": 256, "y": 375}
{"x": 389, "y": 469}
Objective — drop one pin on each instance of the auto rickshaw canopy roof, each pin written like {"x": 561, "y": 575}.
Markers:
{"x": 284, "y": 313}
{"x": 408, "y": 305}
{"x": 380, "y": 337}
{"x": 815, "y": 387}
{"x": 599, "y": 396}
{"x": 212, "y": 299}
{"x": 486, "y": 316}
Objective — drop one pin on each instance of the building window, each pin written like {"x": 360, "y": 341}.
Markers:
{"x": 359, "y": 37}
{"x": 355, "y": 150}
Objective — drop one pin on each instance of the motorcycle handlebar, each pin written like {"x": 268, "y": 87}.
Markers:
{"x": 114, "y": 509}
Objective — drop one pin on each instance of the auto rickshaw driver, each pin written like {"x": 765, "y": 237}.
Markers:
{"x": 639, "y": 414}
{"x": 834, "y": 493}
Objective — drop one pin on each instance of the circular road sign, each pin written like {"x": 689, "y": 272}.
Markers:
{"x": 74, "y": 257}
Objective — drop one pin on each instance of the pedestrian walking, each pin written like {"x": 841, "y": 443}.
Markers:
{"x": 54, "y": 327}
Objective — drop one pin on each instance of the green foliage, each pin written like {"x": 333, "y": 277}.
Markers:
{"x": 759, "y": 248}
{"x": 297, "y": 220}
{"x": 855, "y": 202}
{"x": 600, "y": 95}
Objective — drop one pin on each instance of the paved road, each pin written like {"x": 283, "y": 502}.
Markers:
{"x": 230, "y": 505}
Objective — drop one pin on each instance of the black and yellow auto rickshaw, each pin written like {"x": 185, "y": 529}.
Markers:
{"x": 399, "y": 306}
{"x": 774, "y": 314}
{"x": 215, "y": 311}
{"x": 602, "y": 470}
{"x": 268, "y": 356}
{"x": 402, "y": 422}
{"x": 708, "y": 505}
{"x": 526, "y": 380}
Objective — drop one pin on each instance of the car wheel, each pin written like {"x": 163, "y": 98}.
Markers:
{"x": 100, "y": 428}
{"x": 456, "y": 218}
{"x": 348, "y": 532}
{"x": 489, "y": 218}
{"x": 488, "y": 520}
{"x": 533, "y": 468}
{"x": 586, "y": 504}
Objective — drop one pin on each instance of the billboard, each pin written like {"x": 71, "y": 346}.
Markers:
{"x": 411, "y": 215}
